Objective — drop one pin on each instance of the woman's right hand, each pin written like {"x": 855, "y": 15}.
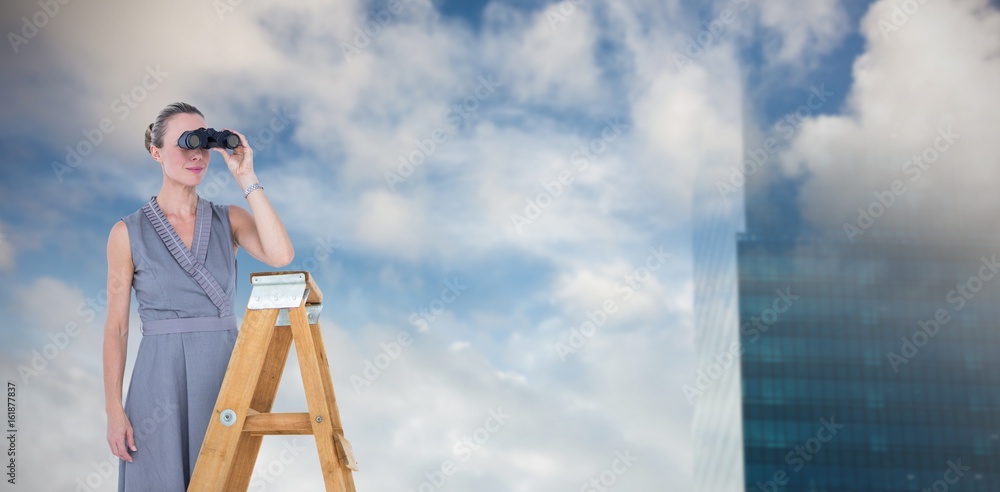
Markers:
{"x": 120, "y": 434}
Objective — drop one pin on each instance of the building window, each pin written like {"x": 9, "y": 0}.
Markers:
{"x": 981, "y": 445}
{"x": 876, "y": 399}
{"x": 878, "y": 443}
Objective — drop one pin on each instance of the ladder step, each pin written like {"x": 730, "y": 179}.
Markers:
{"x": 261, "y": 424}
{"x": 283, "y": 309}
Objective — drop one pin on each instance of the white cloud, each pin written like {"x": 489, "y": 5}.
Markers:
{"x": 686, "y": 120}
{"x": 59, "y": 368}
{"x": 803, "y": 30}
{"x": 549, "y": 57}
{"x": 391, "y": 223}
{"x": 898, "y": 108}
{"x": 446, "y": 395}
{"x": 354, "y": 118}
{"x": 7, "y": 251}
{"x": 632, "y": 291}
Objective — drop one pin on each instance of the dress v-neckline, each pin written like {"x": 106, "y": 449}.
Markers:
{"x": 194, "y": 231}
{"x": 191, "y": 260}
{"x": 198, "y": 249}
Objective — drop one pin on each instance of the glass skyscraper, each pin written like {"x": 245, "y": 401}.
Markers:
{"x": 715, "y": 393}
{"x": 858, "y": 373}
{"x": 869, "y": 365}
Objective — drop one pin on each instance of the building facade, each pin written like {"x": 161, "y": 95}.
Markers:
{"x": 865, "y": 366}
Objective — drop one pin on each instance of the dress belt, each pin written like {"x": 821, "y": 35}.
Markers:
{"x": 185, "y": 325}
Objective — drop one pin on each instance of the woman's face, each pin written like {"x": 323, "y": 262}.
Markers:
{"x": 186, "y": 166}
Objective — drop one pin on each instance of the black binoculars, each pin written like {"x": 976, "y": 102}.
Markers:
{"x": 207, "y": 138}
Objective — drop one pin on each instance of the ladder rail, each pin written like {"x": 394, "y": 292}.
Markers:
{"x": 283, "y": 310}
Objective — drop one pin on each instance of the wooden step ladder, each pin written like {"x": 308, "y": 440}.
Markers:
{"x": 284, "y": 306}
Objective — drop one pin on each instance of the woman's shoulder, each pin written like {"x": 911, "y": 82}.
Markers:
{"x": 126, "y": 223}
{"x": 118, "y": 229}
{"x": 219, "y": 208}
{"x": 133, "y": 218}
{"x": 223, "y": 212}
{"x": 119, "y": 243}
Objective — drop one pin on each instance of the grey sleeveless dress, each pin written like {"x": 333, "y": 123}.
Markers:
{"x": 188, "y": 333}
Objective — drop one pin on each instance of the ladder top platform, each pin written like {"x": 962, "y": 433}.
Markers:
{"x": 291, "y": 278}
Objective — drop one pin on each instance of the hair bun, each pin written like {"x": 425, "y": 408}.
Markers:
{"x": 149, "y": 136}
{"x": 157, "y": 129}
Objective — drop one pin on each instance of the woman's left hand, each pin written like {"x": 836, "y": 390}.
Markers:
{"x": 240, "y": 162}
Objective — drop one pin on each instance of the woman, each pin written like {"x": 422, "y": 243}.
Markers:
{"x": 178, "y": 252}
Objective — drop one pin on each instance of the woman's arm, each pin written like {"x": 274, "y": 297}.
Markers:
{"x": 120, "y": 269}
{"x": 262, "y": 234}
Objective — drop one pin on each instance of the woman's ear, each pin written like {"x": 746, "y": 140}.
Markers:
{"x": 155, "y": 152}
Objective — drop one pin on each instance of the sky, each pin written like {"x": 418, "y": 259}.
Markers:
{"x": 536, "y": 159}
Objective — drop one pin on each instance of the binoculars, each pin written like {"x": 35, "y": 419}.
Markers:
{"x": 207, "y": 138}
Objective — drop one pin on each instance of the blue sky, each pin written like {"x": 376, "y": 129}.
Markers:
{"x": 331, "y": 113}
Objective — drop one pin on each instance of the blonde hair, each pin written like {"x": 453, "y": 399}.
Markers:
{"x": 156, "y": 129}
